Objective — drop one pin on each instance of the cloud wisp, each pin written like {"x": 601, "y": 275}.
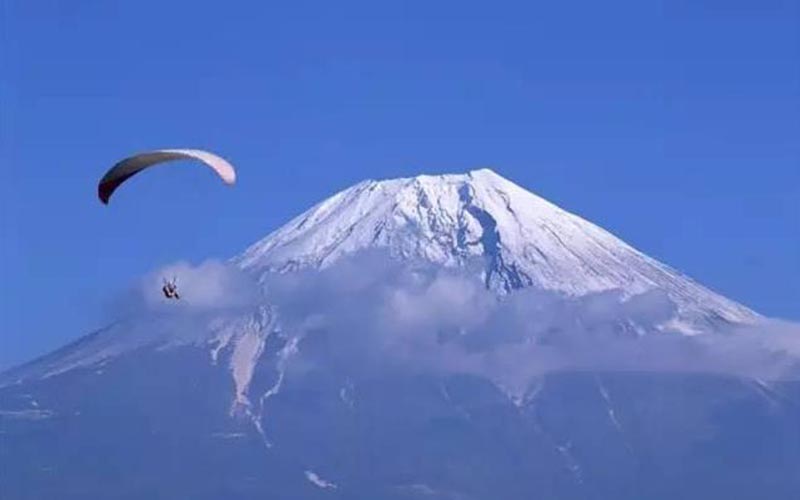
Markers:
{"x": 370, "y": 313}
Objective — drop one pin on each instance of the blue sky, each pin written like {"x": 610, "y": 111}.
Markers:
{"x": 673, "y": 124}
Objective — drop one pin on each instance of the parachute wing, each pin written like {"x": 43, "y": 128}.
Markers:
{"x": 131, "y": 166}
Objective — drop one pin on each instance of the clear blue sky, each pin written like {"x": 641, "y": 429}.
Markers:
{"x": 675, "y": 124}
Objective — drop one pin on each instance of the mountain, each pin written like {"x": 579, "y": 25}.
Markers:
{"x": 287, "y": 375}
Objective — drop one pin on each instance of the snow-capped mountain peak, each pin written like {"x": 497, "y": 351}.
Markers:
{"x": 477, "y": 222}
{"x": 523, "y": 240}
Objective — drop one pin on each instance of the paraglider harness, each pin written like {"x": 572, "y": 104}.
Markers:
{"x": 170, "y": 289}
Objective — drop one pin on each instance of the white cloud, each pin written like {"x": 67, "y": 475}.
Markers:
{"x": 371, "y": 313}
{"x": 211, "y": 285}
{"x": 378, "y": 315}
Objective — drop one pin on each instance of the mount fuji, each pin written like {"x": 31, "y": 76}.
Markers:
{"x": 406, "y": 339}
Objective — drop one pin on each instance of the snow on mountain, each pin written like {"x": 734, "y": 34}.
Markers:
{"x": 452, "y": 220}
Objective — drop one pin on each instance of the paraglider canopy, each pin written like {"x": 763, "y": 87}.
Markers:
{"x": 131, "y": 166}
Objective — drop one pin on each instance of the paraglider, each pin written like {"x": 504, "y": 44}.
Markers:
{"x": 170, "y": 289}
{"x": 127, "y": 168}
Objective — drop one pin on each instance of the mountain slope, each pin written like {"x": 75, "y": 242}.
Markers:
{"x": 521, "y": 240}
{"x": 156, "y": 425}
